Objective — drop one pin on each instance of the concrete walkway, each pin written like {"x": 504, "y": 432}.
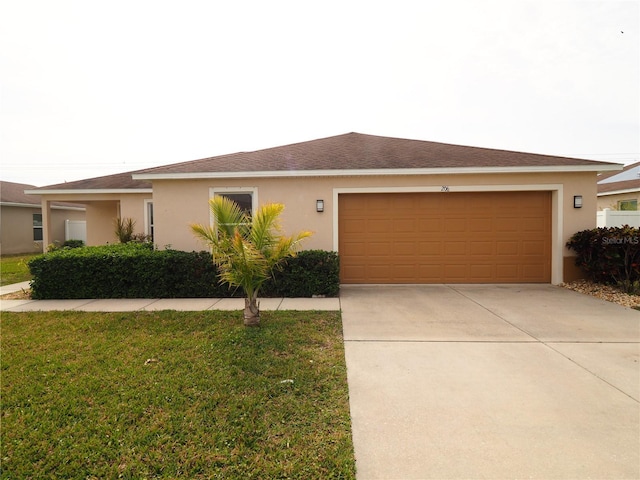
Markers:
{"x": 150, "y": 304}
{"x": 491, "y": 382}
{"x": 181, "y": 304}
{"x": 15, "y": 287}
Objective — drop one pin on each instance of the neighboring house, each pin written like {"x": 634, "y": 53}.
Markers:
{"x": 396, "y": 210}
{"x": 21, "y": 221}
{"x": 618, "y": 197}
{"x": 620, "y": 190}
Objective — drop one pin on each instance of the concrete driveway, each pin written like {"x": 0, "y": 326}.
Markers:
{"x": 491, "y": 381}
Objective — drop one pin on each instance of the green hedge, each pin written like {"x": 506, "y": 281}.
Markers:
{"x": 609, "y": 255}
{"x": 310, "y": 273}
{"x": 136, "y": 270}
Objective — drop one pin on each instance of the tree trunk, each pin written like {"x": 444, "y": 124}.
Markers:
{"x": 251, "y": 312}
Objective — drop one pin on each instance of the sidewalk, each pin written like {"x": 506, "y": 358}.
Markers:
{"x": 151, "y": 304}
{"x": 15, "y": 287}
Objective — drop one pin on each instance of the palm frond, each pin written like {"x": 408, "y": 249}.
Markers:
{"x": 247, "y": 249}
{"x": 228, "y": 216}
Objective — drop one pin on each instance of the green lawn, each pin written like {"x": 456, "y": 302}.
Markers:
{"x": 174, "y": 395}
{"x": 14, "y": 269}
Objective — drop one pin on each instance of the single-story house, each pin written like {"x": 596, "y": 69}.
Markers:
{"x": 396, "y": 210}
{"x": 618, "y": 197}
{"x": 21, "y": 221}
{"x": 620, "y": 190}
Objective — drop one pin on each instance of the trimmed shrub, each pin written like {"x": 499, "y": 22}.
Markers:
{"x": 310, "y": 273}
{"x": 136, "y": 270}
{"x": 73, "y": 244}
{"x": 609, "y": 255}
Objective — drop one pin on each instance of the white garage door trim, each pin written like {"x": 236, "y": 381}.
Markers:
{"x": 557, "y": 212}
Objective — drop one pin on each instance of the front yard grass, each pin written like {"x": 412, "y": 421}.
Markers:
{"x": 174, "y": 395}
{"x": 14, "y": 268}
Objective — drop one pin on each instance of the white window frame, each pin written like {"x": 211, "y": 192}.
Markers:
{"x": 38, "y": 227}
{"x": 148, "y": 224}
{"x": 213, "y": 191}
{"x": 625, "y": 200}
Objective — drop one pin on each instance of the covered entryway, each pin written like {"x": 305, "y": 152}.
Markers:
{"x": 445, "y": 237}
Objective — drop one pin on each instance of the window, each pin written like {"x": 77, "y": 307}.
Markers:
{"x": 245, "y": 197}
{"x": 244, "y": 200}
{"x": 149, "y": 219}
{"x": 628, "y": 205}
{"x": 37, "y": 227}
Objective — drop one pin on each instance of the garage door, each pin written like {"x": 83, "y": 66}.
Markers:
{"x": 492, "y": 237}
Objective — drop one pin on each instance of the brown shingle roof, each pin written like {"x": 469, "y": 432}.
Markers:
{"x": 351, "y": 151}
{"x": 355, "y": 151}
{"x": 633, "y": 184}
{"x": 118, "y": 181}
{"x": 11, "y": 192}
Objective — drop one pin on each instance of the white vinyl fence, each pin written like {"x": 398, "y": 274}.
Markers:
{"x": 75, "y": 230}
{"x": 616, "y": 218}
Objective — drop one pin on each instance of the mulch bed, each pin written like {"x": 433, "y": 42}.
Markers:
{"x": 604, "y": 292}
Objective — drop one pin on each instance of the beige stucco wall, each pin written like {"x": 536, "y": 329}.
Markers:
{"x": 100, "y": 218}
{"x": 178, "y": 203}
{"x": 17, "y": 228}
{"x": 16, "y": 231}
{"x": 611, "y": 201}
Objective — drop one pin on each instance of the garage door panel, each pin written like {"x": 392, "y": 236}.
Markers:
{"x": 480, "y": 225}
{"x": 455, "y": 248}
{"x": 430, "y": 270}
{"x": 531, "y": 272}
{"x": 534, "y": 248}
{"x": 506, "y": 224}
{"x": 481, "y": 273}
{"x": 455, "y": 273}
{"x": 506, "y": 272}
{"x": 405, "y": 272}
{"x": 402, "y": 225}
{"x": 455, "y": 225}
{"x": 481, "y": 248}
{"x": 378, "y": 249}
{"x": 404, "y": 249}
{"x": 355, "y": 225}
{"x": 429, "y": 224}
{"x": 450, "y": 237}
{"x": 379, "y": 273}
{"x": 429, "y": 248}
{"x": 353, "y": 249}
{"x": 377, "y": 225}
{"x": 507, "y": 247}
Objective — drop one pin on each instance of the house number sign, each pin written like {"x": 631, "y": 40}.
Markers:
{"x": 445, "y": 188}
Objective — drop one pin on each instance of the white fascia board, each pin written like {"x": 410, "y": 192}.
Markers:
{"x": 376, "y": 172}
{"x": 62, "y": 207}
{"x": 619, "y": 192}
{"x": 87, "y": 191}
{"x": 39, "y": 205}
{"x": 21, "y": 205}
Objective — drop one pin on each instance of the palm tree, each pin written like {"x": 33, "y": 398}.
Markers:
{"x": 246, "y": 249}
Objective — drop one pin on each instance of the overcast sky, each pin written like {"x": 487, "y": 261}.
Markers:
{"x": 91, "y": 88}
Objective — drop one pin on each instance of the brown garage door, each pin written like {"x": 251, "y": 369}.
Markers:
{"x": 492, "y": 237}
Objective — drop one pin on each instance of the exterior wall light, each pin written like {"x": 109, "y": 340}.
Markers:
{"x": 319, "y": 205}
{"x": 577, "y": 201}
